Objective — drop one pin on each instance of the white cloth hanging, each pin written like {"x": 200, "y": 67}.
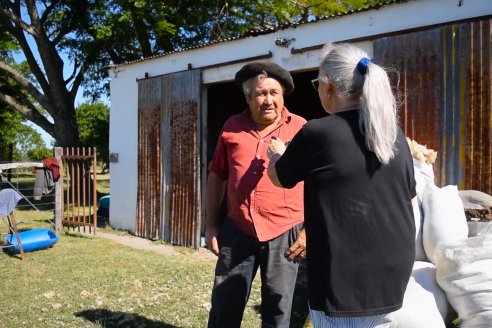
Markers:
{"x": 8, "y": 201}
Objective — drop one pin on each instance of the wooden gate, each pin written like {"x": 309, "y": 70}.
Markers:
{"x": 79, "y": 178}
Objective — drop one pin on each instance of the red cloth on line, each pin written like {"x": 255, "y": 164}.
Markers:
{"x": 52, "y": 164}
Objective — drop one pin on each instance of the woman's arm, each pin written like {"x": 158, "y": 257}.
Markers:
{"x": 274, "y": 152}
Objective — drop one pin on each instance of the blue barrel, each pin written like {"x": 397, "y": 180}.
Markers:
{"x": 104, "y": 202}
{"x": 31, "y": 240}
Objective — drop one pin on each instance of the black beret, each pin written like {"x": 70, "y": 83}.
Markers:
{"x": 273, "y": 70}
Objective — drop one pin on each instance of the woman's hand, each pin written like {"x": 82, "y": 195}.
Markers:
{"x": 274, "y": 152}
{"x": 277, "y": 147}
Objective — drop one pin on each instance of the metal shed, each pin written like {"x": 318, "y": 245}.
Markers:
{"x": 167, "y": 111}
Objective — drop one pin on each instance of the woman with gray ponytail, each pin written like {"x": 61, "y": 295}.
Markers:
{"x": 358, "y": 189}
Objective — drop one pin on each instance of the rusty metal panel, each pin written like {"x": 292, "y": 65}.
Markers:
{"x": 80, "y": 189}
{"x": 478, "y": 106}
{"x": 442, "y": 77}
{"x": 181, "y": 157}
{"x": 148, "y": 213}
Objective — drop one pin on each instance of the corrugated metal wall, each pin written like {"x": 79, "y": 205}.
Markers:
{"x": 168, "y": 197}
{"x": 148, "y": 213}
{"x": 444, "y": 83}
{"x": 181, "y": 157}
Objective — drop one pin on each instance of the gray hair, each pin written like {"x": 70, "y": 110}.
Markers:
{"x": 378, "y": 119}
{"x": 248, "y": 84}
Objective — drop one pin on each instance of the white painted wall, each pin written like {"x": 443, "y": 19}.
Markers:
{"x": 124, "y": 92}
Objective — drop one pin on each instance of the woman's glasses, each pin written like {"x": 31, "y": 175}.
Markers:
{"x": 315, "y": 83}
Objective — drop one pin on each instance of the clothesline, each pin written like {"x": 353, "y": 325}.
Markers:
{"x": 6, "y": 166}
{"x": 21, "y": 194}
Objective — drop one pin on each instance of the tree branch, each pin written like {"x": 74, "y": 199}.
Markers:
{"x": 18, "y": 33}
{"x": 25, "y": 83}
{"x": 7, "y": 15}
{"x": 29, "y": 113}
{"x": 47, "y": 11}
{"x": 52, "y": 62}
{"x": 78, "y": 81}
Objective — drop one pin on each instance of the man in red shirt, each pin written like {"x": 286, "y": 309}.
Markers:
{"x": 263, "y": 227}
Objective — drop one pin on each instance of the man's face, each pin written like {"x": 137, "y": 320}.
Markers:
{"x": 266, "y": 102}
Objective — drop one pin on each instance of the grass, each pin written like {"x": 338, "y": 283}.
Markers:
{"x": 87, "y": 281}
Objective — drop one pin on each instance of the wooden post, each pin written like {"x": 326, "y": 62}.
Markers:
{"x": 59, "y": 192}
{"x": 15, "y": 232}
{"x": 94, "y": 189}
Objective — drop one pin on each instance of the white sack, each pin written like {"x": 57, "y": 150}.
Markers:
{"x": 444, "y": 218}
{"x": 424, "y": 176}
{"x": 464, "y": 272}
{"x": 424, "y": 303}
{"x": 418, "y": 216}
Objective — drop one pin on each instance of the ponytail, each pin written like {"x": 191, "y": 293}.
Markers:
{"x": 378, "y": 117}
{"x": 354, "y": 75}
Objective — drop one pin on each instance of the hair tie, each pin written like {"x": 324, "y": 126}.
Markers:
{"x": 362, "y": 65}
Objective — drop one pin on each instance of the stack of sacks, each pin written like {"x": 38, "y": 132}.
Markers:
{"x": 424, "y": 304}
{"x": 423, "y": 158}
{"x": 439, "y": 217}
{"x": 444, "y": 218}
{"x": 464, "y": 271}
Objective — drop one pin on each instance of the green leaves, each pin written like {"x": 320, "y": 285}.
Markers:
{"x": 93, "y": 123}
{"x": 87, "y": 36}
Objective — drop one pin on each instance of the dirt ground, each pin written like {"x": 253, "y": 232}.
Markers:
{"x": 146, "y": 244}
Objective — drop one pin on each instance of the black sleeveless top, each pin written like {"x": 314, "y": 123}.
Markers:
{"x": 358, "y": 216}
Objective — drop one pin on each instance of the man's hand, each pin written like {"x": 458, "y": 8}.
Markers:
{"x": 297, "y": 251}
{"x": 211, "y": 235}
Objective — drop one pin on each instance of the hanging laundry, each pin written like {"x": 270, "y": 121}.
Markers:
{"x": 8, "y": 201}
{"x": 46, "y": 177}
{"x": 52, "y": 165}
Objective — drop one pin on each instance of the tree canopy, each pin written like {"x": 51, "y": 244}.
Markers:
{"x": 93, "y": 122}
{"x": 52, "y": 49}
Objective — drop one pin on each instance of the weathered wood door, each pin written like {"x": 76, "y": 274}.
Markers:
{"x": 169, "y": 172}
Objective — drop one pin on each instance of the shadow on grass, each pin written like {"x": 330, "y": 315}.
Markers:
{"x": 112, "y": 319}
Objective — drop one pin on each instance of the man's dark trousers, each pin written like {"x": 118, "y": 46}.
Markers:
{"x": 239, "y": 259}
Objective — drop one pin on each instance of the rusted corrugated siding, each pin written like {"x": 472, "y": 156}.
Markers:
{"x": 148, "y": 214}
{"x": 181, "y": 126}
{"x": 478, "y": 93}
{"x": 445, "y": 89}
